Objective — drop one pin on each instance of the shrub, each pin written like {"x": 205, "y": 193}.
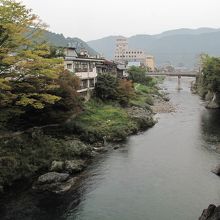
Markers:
{"x": 125, "y": 91}
{"x": 106, "y": 87}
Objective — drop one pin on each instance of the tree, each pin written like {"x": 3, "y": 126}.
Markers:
{"x": 125, "y": 91}
{"x": 138, "y": 75}
{"x": 106, "y": 87}
{"x": 211, "y": 73}
{"x": 30, "y": 72}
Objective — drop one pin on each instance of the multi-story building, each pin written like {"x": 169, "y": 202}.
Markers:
{"x": 83, "y": 66}
{"x": 125, "y": 55}
{"x": 150, "y": 63}
{"x": 87, "y": 68}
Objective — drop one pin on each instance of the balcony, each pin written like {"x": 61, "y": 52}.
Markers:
{"x": 86, "y": 75}
{"x": 77, "y": 70}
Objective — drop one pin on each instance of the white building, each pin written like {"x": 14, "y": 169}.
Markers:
{"x": 83, "y": 66}
{"x": 87, "y": 68}
{"x": 126, "y": 55}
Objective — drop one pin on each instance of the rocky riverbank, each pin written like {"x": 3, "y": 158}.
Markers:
{"x": 58, "y": 154}
{"x": 212, "y": 99}
{"x": 211, "y": 213}
{"x": 53, "y": 156}
{"x": 162, "y": 105}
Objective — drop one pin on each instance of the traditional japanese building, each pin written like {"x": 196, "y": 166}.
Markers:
{"x": 87, "y": 68}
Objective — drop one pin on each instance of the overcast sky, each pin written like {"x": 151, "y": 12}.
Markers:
{"x": 93, "y": 19}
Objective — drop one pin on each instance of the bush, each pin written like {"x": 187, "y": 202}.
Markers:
{"x": 125, "y": 91}
{"x": 22, "y": 156}
{"x": 106, "y": 87}
{"x": 99, "y": 120}
{"x": 138, "y": 75}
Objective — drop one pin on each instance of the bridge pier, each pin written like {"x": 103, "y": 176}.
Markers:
{"x": 179, "y": 83}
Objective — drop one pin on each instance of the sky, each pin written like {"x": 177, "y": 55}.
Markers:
{"x": 94, "y": 19}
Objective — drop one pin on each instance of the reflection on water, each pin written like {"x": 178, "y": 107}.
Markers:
{"x": 161, "y": 174}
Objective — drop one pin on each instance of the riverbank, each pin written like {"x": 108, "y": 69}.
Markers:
{"x": 128, "y": 174}
{"x": 69, "y": 148}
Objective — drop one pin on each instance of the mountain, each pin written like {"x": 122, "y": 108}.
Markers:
{"x": 183, "y": 31}
{"x": 177, "y": 47}
{"x": 61, "y": 41}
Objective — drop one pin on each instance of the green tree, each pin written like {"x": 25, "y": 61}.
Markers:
{"x": 30, "y": 72}
{"x": 138, "y": 75}
{"x": 210, "y": 77}
{"x": 106, "y": 87}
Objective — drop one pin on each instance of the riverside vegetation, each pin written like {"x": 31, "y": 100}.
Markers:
{"x": 45, "y": 126}
{"x": 208, "y": 82}
{"x": 207, "y": 85}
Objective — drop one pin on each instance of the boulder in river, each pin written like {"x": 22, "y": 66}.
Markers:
{"x": 54, "y": 182}
{"x": 214, "y": 102}
{"x": 74, "y": 166}
{"x": 216, "y": 170}
{"x": 100, "y": 149}
{"x": 211, "y": 213}
{"x": 57, "y": 166}
{"x": 52, "y": 177}
{"x": 143, "y": 117}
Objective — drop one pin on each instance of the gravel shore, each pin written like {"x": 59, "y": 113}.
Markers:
{"x": 162, "y": 106}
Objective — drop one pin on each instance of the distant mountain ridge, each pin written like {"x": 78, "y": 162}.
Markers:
{"x": 177, "y": 47}
{"x": 61, "y": 41}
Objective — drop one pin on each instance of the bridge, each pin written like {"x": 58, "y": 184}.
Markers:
{"x": 175, "y": 74}
{"x": 178, "y": 74}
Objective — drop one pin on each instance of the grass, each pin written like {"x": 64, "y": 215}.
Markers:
{"x": 103, "y": 120}
{"x": 143, "y": 95}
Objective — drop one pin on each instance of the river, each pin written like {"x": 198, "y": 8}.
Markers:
{"x": 161, "y": 174}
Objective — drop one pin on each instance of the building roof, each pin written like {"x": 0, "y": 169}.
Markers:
{"x": 135, "y": 63}
{"x": 121, "y": 67}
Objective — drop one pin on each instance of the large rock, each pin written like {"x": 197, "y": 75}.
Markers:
{"x": 142, "y": 116}
{"x": 52, "y": 177}
{"x": 214, "y": 102}
{"x": 56, "y": 187}
{"x": 212, "y": 105}
{"x": 74, "y": 166}
{"x": 209, "y": 96}
{"x": 57, "y": 166}
{"x": 211, "y": 213}
{"x": 100, "y": 149}
{"x": 54, "y": 182}
{"x": 216, "y": 170}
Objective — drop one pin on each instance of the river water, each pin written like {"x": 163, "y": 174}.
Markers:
{"x": 161, "y": 174}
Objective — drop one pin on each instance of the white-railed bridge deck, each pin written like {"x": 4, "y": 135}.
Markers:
{"x": 175, "y": 74}
{"x": 178, "y": 74}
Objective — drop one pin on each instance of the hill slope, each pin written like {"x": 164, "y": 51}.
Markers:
{"x": 61, "y": 41}
{"x": 182, "y": 46}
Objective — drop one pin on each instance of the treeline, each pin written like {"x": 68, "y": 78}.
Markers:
{"x": 122, "y": 90}
{"x": 34, "y": 88}
{"x": 208, "y": 82}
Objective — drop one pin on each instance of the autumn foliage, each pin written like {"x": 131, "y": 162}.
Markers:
{"x": 32, "y": 80}
{"x": 125, "y": 91}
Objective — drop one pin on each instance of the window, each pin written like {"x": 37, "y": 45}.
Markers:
{"x": 84, "y": 84}
{"x": 91, "y": 83}
{"x": 69, "y": 66}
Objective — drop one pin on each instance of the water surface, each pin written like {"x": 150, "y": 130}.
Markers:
{"x": 161, "y": 174}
